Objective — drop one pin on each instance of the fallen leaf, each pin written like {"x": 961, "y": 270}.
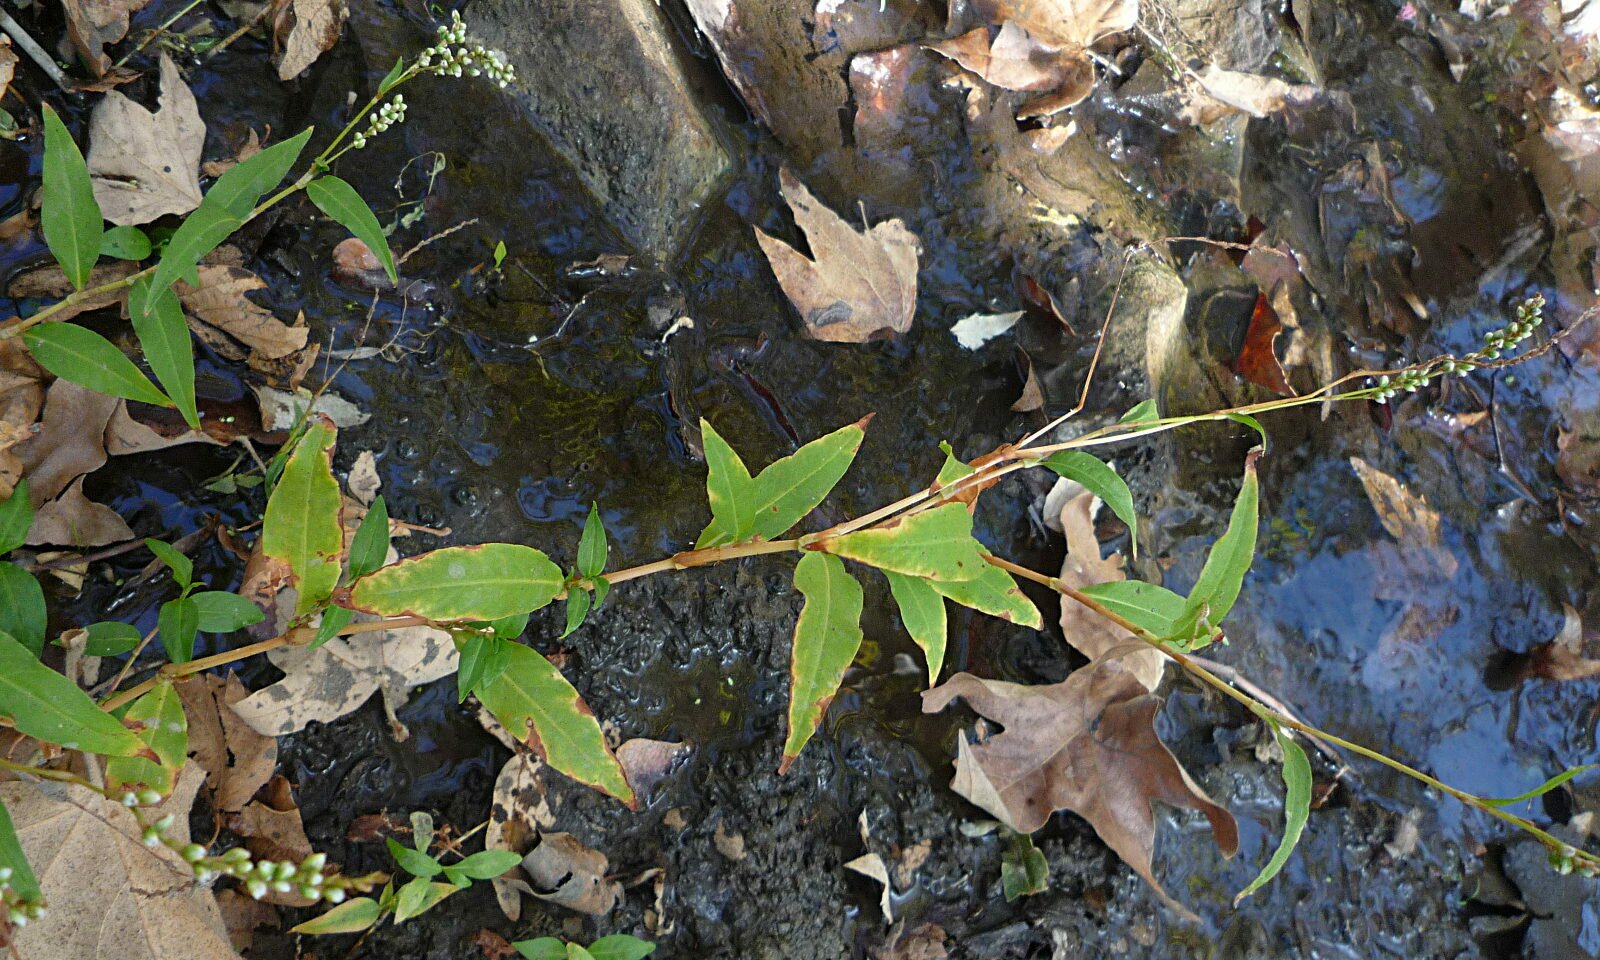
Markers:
{"x": 280, "y": 409}
{"x": 50, "y": 283}
{"x": 272, "y": 826}
{"x": 216, "y": 168}
{"x": 978, "y": 329}
{"x": 493, "y": 946}
{"x": 8, "y": 65}
{"x": 1032, "y": 397}
{"x": 356, "y": 266}
{"x": 243, "y": 916}
{"x": 1065, "y": 23}
{"x": 1010, "y": 58}
{"x": 70, "y": 442}
{"x": 1226, "y": 92}
{"x": 125, "y": 435}
{"x": 237, "y": 760}
{"x": 1416, "y": 529}
{"x": 363, "y": 482}
{"x": 926, "y": 942}
{"x": 315, "y": 27}
{"x": 92, "y": 24}
{"x": 563, "y": 871}
{"x": 1561, "y": 657}
{"x": 72, "y": 519}
{"x": 21, "y": 400}
{"x": 911, "y": 859}
{"x": 233, "y": 324}
{"x": 729, "y": 844}
{"x": 109, "y": 894}
{"x": 518, "y": 813}
{"x": 860, "y": 284}
{"x": 1087, "y": 744}
{"x": 1087, "y": 631}
{"x": 647, "y": 762}
{"x": 871, "y": 865}
{"x": 1257, "y": 361}
{"x": 146, "y": 165}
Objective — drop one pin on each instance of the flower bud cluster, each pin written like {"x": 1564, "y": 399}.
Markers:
{"x": 1530, "y": 316}
{"x": 453, "y": 56}
{"x": 308, "y": 878}
{"x": 18, "y": 911}
{"x": 381, "y": 119}
{"x": 1565, "y": 860}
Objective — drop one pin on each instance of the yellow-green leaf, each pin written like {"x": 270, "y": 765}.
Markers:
{"x": 922, "y": 611}
{"x": 484, "y": 582}
{"x": 537, "y": 705}
{"x": 730, "y": 490}
{"x": 47, "y": 706}
{"x": 993, "y": 592}
{"x": 1147, "y": 605}
{"x": 826, "y": 639}
{"x": 1100, "y": 479}
{"x": 1222, "y": 577}
{"x": 302, "y": 526}
{"x": 936, "y": 544}
{"x": 1296, "y": 805}
{"x": 22, "y": 609}
{"x": 79, "y": 355}
{"x": 68, "y": 213}
{"x": 166, "y": 731}
{"x": 352, "y": 916}
{"x": 782, "y": 494}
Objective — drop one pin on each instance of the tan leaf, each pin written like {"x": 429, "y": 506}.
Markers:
{"x": 92, "y": 24}
{"x": 1087, "y": 745}
{"x": 146, "y": 165}
{"x": 243, "y": 916}
{"x": 109, "y": 894}
{"x": 219, "y": 303}
{"x": 1230, "y": 91}
{"x": 1087, "y": 631}
{"x": 216, "y": 168}
{"x": 859, "y": 286}
{"x": 1013, "y": 59}
{"x": 729, "y": 843}
{"x": 364, "y": 482}
{"x": 271, "y": 826}
{"x": 125, "y": 435}
{"x": 237, "y": 760}
{"x": 519, "y": 812}
{"x": 316, "y": 28}
{"x": 1561, "y": 658}
{"x": 280, "y": 409}
{"x": 8, "y": 64}
{"x": 72, "y": 519}
{"x": 71, "y": 441}
{"x": 49, "y": 283}
{"x": 1413, "y": 524}
{"x": 562, "y": 871}
{"x": 871, "y": 865}
{"x": 926, "y": 942}
{"x": 647, "y": 762}
{"x": 1063, "y": 23}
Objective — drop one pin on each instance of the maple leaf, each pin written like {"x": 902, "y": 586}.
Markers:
{"x": 146, "y": 165}
{"x": 861, "y": 284}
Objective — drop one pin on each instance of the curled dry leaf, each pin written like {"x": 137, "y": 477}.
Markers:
{"x": 858, "y": 284}
{"x": 305, "y": 30}
{"x": 518, "y": 813}
{"x": 72, "y": 519}
{"x": 146, "y": 165}
{"x": 1087, "y": 745}
{"x": 1015, "y": 59}
{"x": 562, "y": 871}
{"x": 871, "y": 865}
{"x": 92, "y": 24}
{"x": 70, "y": 442}
{"x": 1561, "y": 658}
{"x": 237, "y": 760}
{"x": 1227, "y": 92}
{"x": 233, "y": 324}
{"x": 1258, "y": 361}
{"x": 1087, "y": 631}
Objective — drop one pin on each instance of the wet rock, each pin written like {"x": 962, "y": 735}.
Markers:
{"x": 605, "y": 82}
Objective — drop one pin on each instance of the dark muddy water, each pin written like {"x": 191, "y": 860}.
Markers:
{"x": 518, "y": 398}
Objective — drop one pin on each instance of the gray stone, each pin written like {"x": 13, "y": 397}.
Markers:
{"x": 605, "y": 81}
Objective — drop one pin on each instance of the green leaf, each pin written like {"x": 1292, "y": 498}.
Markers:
{"x": 164, "y": 335}
{"x": 1145, "y": 411}
{"x": 181, "y": 566}
{"x": 110, "y": 639}
{"x": 16, "y": 516}
{"x": 483, "y": 659}
{"x": 1023, "y": 869}
{"x": 730, "y": 490}
{"x": 620, "y": 946}
{"x": 592, "y": 548}
{"x": 1542, "y": 788}
{"x": 1221, "y": 578}
{"x": 242, "y": 185}
{"x": 1101, "y": 480}
{"x": 936, "y": 544}
{"x": 544, "y": 948}
{"x": 222, "y": 612}
{"x": 953, "y": 469}
{"x": 47, "y": 706}
{"x": 302, "y": 525}
{"x": 418, "y": 897}
{"x": 1252, "y": 423}
{"x": 578, "y": 601}
{"x": 392, "y": 77}
{"x": 602, "y": 587}
{"x": 352, "y": 916}
{"x": 1296, "y": 806}
{"x": 370, "y": 546}
{"x": 575, "y": 952}
{"x": 340, "y": 201}
{"x": 487, "y": 864}
{"x": 79, "y": 355}
{"x": 510, "y": 628}
{"x": 485, "y": 582}
{"x": 922, "y": 611}
{"x": 787, "y": 489}
{"x": 414, "y": 862}
{"x": 177, "y": 624}
{"x": 537, "y": 705}
{"x": 1155, "y": 608}
{"x": 334, "y": 619}
{"x": 995, "y": 593}
{"x": 68, "y": 212}
{"x": 199, "y": 234}
{"x": 125, "y": 243}
{"x": 22, "y": 880}
{"x": 826, "y": 638}
{"x": 22, "y": 609}
{"x": 166, "y": 731}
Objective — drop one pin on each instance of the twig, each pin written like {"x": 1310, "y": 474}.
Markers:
{"x": 438, "y": 236}
{"x": 35, "y": 52}
{"x": 158, "y": 32}
{"x": 244, "y": 28}
{"x": 1233, "y": 676}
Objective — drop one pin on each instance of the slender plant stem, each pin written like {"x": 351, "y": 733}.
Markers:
{"x": 158, "y": 32}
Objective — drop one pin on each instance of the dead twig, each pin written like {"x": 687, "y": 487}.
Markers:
{"x": 35, "y": 52}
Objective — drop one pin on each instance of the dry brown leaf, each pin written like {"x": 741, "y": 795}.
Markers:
{"x": 1414, "y": 525}
{"x": 1011, "y": 59}
{"x": 281, "y": 409}
{"x": 219, "y": 305}
{"x": 271, "y": 826}
{"x": 1087, "y": 745}
{"x": 519, "y": 812}
{"x": 91, "y": 24}
{"x": 146, "y": 165}
{"x": 1561, "y": 658}
{"x": 364, "y": 482}
{"x": 728, "y": 843}
{"x": 1258, "y": 361}
{"x": 563, "y": 871}
{"x": 1063, "y": 23}
{"x": 1227, "y": 92}
{"x": 1089, "y": 633}
{"x": 49, "y": 283}
{"x": 243, "y": 916}
{"x": 493, "y": 946}
{"x": 872, "y": 866}
{"x": 1032, "y": 396}
{"x": 237, "y": 760}
{"x": 860, "y": 285}
{"x": 125, "y": 435}
{"x": 926, "y": 942}
{"x": 109, "y": 894}
{"x": 316, "y": 27}
{"x": 252, "y": 146}
{"x": 647, "y": 762}
{"x": 72, "y": 519}
{"x": 71, "y": 441}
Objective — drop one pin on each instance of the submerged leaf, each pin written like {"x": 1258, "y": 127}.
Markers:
{"x": 826, "y": 639}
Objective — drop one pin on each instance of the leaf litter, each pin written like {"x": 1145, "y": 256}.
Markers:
{"x": 147, "y": 164}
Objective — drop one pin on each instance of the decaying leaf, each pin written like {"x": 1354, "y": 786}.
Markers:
{"x": 1032, "y": 396}
{"x": 72, "y": 519}
{"x": 871, "y": 865}
{"x": 70, "y": 442}
{"x": 562, "y": 871}
{"x": 109, "y": 894}
{"x": 8, "y": 65}
{"x": 926, "y": 942}
{"x": 978, "y": 329}
{"x": 1087, "y": 745}
{"x": 1087, "y": 631}
{"x": 1415, "y": 527}
{"x": 311, "y": 29}
{"x": 1228, "y": 92}
{"x": 647, "y": 762}
{"x": 729, "y": 843}
{"x": 280, "y": 409}
{"x": 243, "y": 916}
{"x": 237, "y": 760}
{"x": 519, "y": 812}
{"x": 92, "y": 24}
{"x": 1014, "y": 59}
{"x": 233, "y": 324}
{"x": 1561, "y": 657}
{"x": 146, "y": 165}
{"x": 1064, "y": 23}
{"x": 1258, "y": 357}
{"x": 363, "y": 483}
{"x": 50, "y": 283}
{"x": 858, "y": 284}
{"x": 272, "y": 826}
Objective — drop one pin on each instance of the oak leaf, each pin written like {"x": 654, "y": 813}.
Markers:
{"x": 237, "y": 760}
{"x": 1089, "y": 633}
{"x": 146, "y": 165}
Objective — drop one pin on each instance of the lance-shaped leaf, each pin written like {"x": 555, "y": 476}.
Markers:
{"x": 47, "y": 706}
{"x": 353, "y": 916}
{"x": 16, "y": 516}
{"x": 484, "y": 582}
{"x": 922, "y": 611}
{"x": 340, "y": 201}
{"x": 177, "y": 624}
{"x": 370, "y": 546}
{"x": 1541, "y": 789}
{"x": 592, "y": 547}
{"x": 1221, "y": 578}
{"x": 12, "y": 858}
{"x": 1296, "y": 805}
{"x": 198, "y": 235}
{"x": 238, "y": 189}
{"x": 302, "y": 526}
{"x": 730, "y": 490}
{"x": 826, "y": 639}
{"x": 164, "y": 335}
{"x": 993, "y": 592}
{"x": 79, "y": 355}
{"x": 22, "y": 609}
{"x": 166, "y": 731}
{"x": 533, "y": 701}
{"x": 1146, "y": 605}
{"x": 788, "y": 489}
{"x": 68, "y": 213}
{"x": 1099, "y": 479}
{"x": 936, "y": 544}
